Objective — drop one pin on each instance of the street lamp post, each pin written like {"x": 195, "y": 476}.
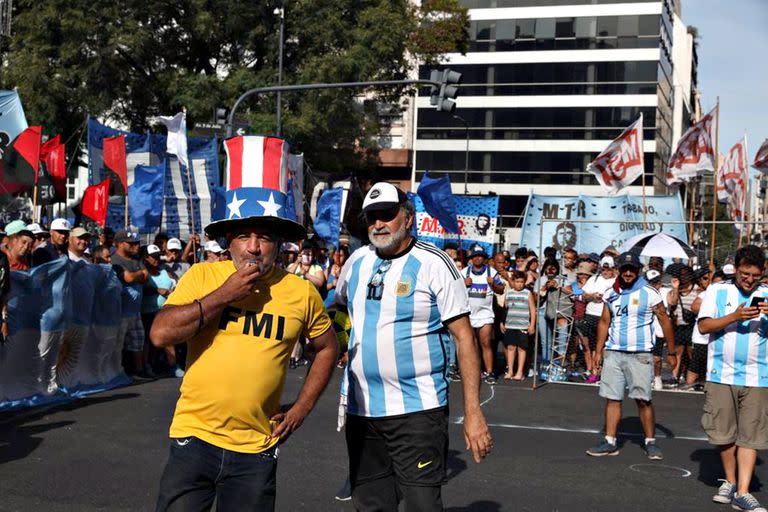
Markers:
{"x": 279, "y": 11}
{"x": 466, "y": 152}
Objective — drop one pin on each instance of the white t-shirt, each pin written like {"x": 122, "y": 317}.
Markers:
{"x": 480, "y": 292}
{"x": 696, "y": 337}
{"x": 597, "y": 284}
{"x": 664, "y": 292}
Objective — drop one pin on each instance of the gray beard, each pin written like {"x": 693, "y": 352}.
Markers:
{"x": 395, "y": 239}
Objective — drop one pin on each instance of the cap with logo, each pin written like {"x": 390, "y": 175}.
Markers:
{"x": 728, "y": 269}
{"x": 79, "y": 232}
{"x": 383, "y": 196}
{"x": 477, "y": 250}
{"x": 213, "y": 246}
{"x": 607, "y": 261}
{"x": 152, "y": 249}
{"x": 36, "y": 229}
{"x": 173, "y": 244}
{"x": 652, "y": 275}
{"x": 18, "y": 227}
{"x": 127, "y": 237}
{"x": 61, "y": 225}
{"x": 256, "y": 180}
{"x": 628, "y": 259}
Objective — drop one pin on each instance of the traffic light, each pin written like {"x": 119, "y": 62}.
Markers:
{"x": 449, "y": 89}
{"x": 434, "y": 90}
{"x": 220, "y": 116}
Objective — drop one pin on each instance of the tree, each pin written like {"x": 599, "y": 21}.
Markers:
{"x": 130, "y": 60}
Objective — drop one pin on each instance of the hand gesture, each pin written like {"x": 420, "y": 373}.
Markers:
{"x": 477, "y": 436}
{"x": 743, "y": 313}
{"x": 288, "y": 422}
{"x": 763, "y": 307}
{"x": 240, "y": 284}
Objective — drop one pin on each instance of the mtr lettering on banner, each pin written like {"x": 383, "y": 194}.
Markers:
{"x": 477, "y": 218}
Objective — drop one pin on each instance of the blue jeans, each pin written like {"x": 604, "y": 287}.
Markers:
{"x": 197, "y": 472}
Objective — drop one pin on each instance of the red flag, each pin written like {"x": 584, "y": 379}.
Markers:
{"x": 115, "y": 164}
{"x": 695, "y": 152}
{"x": 732, "y": 180}
{"x": 761, "y": 158}
{"x": 622, "y": 161}
{"x": 21, "y": 157}
{"x": 95, "y": 202}
{"x": 52, "y": 154}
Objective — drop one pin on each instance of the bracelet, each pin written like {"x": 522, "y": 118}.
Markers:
{"x": 202, "y": 317}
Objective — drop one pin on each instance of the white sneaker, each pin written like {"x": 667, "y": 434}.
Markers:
{"x": 657, "y": 384}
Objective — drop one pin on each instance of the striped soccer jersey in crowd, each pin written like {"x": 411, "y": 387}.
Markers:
{"x": 631, "y": 328}
{"x": 518, "y": 310}
{"x": 397, "y": 348}
{"x": 737, "y": 355}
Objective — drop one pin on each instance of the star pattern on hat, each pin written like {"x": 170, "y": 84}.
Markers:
{"x": 234, "y": 206}
{"x": 270, "y": 206}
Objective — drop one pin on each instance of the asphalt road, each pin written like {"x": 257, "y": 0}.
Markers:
{"x": 107, "y": 452}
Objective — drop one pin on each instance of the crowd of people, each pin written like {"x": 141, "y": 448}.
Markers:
{"x": 602, "y": 318}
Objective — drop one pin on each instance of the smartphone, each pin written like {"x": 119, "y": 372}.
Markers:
{"x": 756, "y": 301}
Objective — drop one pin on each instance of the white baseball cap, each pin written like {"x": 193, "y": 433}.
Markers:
{"x": 729, "y": 269}
{"x": 213, "y": 246}
{"x": 607, "y": 260}
{"x": 652, "y": 274}
{"x": 383, "y": 196}
{"x": 36, "y": 229}
{"x": 152, "y": 249}
{"x": 61, "y": 225}
{"x": 173, "y": 243}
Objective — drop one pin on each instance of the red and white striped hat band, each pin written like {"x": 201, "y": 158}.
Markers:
{"x": 256, "y": 161}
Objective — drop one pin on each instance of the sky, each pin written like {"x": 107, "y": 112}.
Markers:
{"x": 733, "y": 52}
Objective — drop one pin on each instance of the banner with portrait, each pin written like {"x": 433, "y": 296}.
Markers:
{"x": 477, "y": 216}
{"x": 579, "y": 221}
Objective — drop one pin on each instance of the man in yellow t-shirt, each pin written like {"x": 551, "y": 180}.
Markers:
{"x": 240, "y": 320}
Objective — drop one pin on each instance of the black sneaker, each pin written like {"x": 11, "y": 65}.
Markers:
{"x": 489, "y": 379}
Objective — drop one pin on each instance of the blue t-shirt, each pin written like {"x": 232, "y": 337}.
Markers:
{"x": 152, "y": 302}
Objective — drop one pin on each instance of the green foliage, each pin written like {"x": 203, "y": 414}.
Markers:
{"x": 130, "y": 60}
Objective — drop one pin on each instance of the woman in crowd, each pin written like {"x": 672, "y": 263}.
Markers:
{"x": 680, "y": 302}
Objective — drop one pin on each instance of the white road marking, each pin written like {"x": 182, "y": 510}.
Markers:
{"x": 684, "y": 473}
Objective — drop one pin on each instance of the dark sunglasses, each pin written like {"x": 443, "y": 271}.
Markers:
{"x": 378, "y": 278}
{"x": 383, "y": 215}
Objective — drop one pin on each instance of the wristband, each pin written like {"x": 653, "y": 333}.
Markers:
{"x": 202, "y": 317}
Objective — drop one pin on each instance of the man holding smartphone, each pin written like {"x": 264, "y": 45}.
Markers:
{"x": 734, "y": 316}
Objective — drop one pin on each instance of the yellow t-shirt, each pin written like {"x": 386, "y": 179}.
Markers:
{"x": 236, "y": 366}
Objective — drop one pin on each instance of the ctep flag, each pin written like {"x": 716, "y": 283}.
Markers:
{"x": 115, "y": 164}
{"x": 622, "y": 161}
{"x": 268, "y": 156}
{"x": 732, "y": 179}
{"x": 176, "y": 144}
{"x": 21, "y": 159}
{"x": 695, "y": 152}
{"x": 439, "y": 202}
{"x": 328, "y": 219}
{"x": 52, "y": 155}
{"x": 95, "y": 202}
{"x": 761, "y": 158}
{"x": 145, "y": 197}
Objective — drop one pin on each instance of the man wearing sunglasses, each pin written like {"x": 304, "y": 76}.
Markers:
{"x": 404, "y": 298}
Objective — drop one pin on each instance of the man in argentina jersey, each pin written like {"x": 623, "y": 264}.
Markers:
{"x": 625, "y": 331}
{"x": 735, "y": 318}
{"x": 404, "y": 297}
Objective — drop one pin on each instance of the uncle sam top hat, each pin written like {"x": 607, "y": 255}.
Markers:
{"x": 256, "y": 182}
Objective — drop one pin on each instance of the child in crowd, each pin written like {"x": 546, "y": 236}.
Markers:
{"x": 519, "y": 324}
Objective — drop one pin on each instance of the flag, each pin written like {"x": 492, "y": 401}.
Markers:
{"x": 176, "y": 143}
{"x": 622, "y": 161}
{"x": 761, "y": 158}
{"x": 328, "y": 219}
{"x": 145, "y": 196}
{"x": 12, "y": 123}
{"x": 21, "y": 159}
{"x": 52, "y": 155}
{"x": 267, "y": 154}
{"x": 95, "y": 202}
{"x": 732, "y": 180}
{"x": 116, "y": 165}
{"x": 295, "y": 203}
{"x": 438, "y": 201}
{"x": 695, "y": 152}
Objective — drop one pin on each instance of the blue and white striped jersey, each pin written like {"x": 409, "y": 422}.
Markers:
{"x": 632, "y": 315}
{"x": 397, "y": 346}
{"x": 737, "y": 355}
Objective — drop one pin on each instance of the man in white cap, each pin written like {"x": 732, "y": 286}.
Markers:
{"x": 594, "y": 289}
{"x": 79, "y": 239}
{"x": 20, "y": 240}
{"x": 212, "y": 251}
{"x": 57, "y": 246}
{"x": 404, "y": 298}
{"x": 174, "y": 262}
{"x": 40, "y": 234}
{"x": 240, "y": 318}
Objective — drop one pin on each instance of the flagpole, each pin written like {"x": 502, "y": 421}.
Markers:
{"x": 692, "y": 206}
{"x": 748, "y": 207}
{"x": 714, "y": 184}
{"x": 189, "y": 186}
{"x": 35, "y": 217}
{"x": 125, "y": 217}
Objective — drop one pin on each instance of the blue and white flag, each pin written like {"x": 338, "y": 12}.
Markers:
{"x": 571, "y": 221}
{"x": 12, "y": 120}
{"x": 477, "y": 217}
{"x": 438, "y": 200}
{"x": 328, "y": 220}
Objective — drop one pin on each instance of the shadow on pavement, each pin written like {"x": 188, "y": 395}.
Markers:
{"x": 711, "y": 469}
{"x": 455, "y": 464}
{"x": 631, "y": 425}
{"x": 478, "y": 506}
